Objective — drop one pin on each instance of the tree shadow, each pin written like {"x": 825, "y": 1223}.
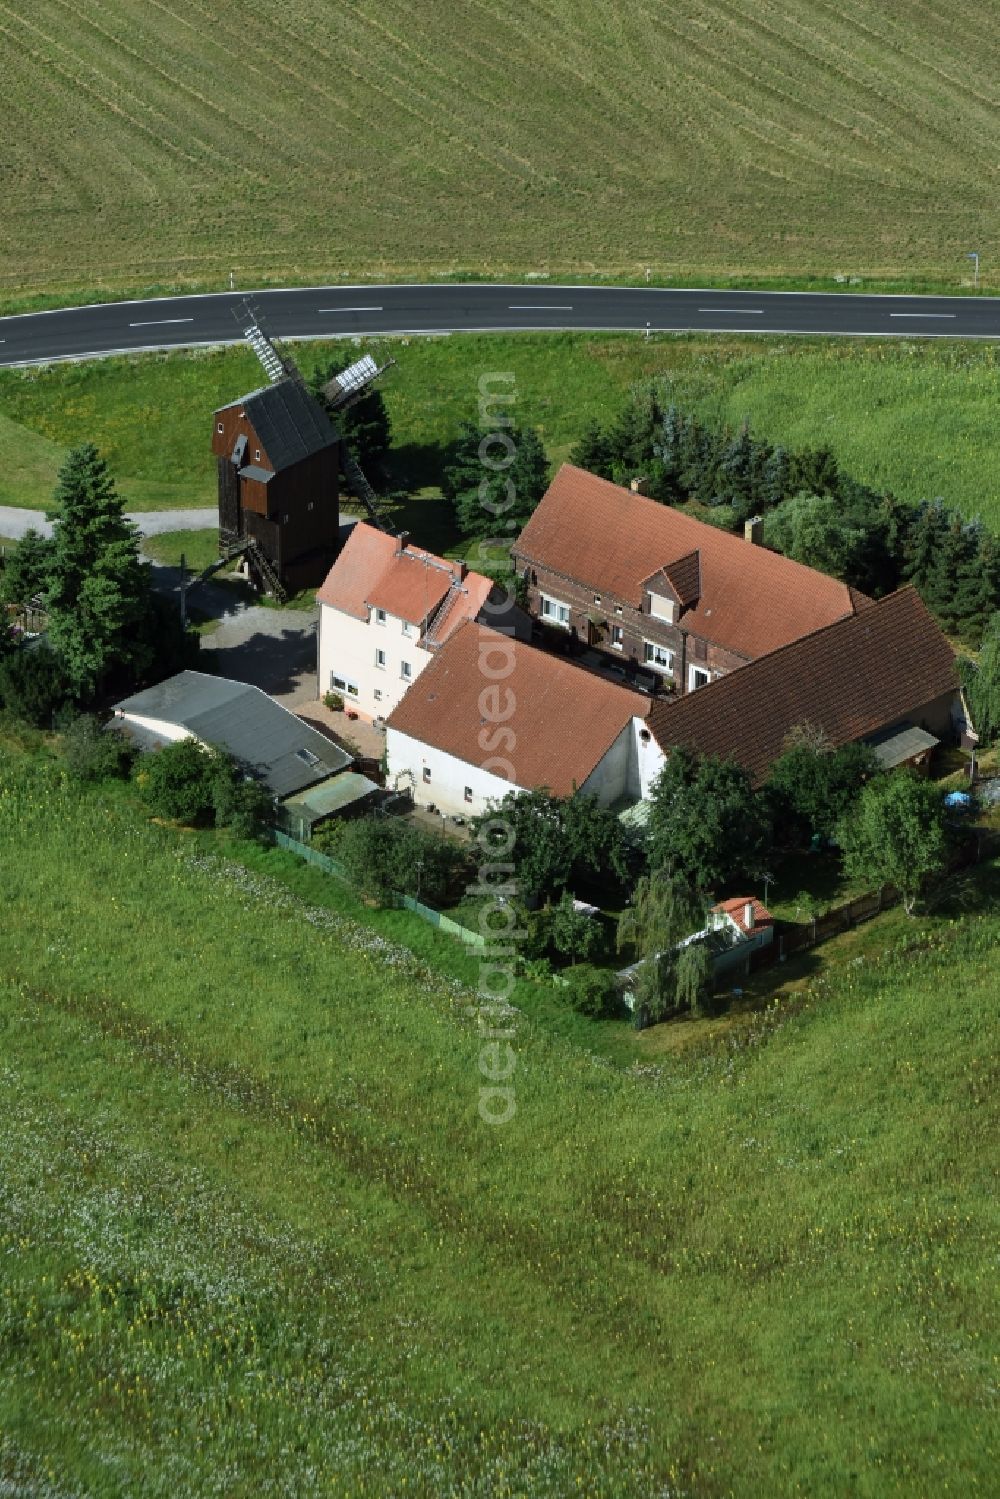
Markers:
{"x": 278, "y": 663}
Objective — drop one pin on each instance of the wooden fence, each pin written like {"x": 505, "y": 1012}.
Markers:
{"x": 790, "y": 937}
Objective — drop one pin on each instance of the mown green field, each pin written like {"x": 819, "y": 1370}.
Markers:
{"x": 257, "y": 1240}
{"x": 918, "y": 417}
{"x": 169, "y": 145}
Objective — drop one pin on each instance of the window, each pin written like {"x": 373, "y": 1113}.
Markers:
{"x": 555, "y": 612}
{"x": 644, "y": 736}
{"x": 352, "y": 689}
{"x": 618, "y": 609}
{"x": 310, "y": 505}
{"x": 378, "y": 694}
{"x": 220, "y": 427}
{"x": 380, "y": 659}
{"x": 256, "y": 455}
{"x": 698, "y": 677}
{"x": 597, "y": 598}
{"x": 658, "y": 657}
{"x": 405, "y": 670}
{"x": 343, "y": 684}
{"x": 380, "y": 616}
{"x": 407, "y": 627}
{"x": 468, "y": 793}
{"x": 427, "y": 775}
{"x": 617, "y": 638}
{"x": 661, "y": 608}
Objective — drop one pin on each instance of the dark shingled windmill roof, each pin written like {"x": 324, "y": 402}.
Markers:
{"x": 851, "y": 679}
{"x": 290, "y": 423}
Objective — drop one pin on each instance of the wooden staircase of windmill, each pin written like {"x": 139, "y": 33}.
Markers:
{"x": 260, "y": 563}
{"x": 361, "y": 489}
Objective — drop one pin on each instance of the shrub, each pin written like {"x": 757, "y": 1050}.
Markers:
{"x": 33, "y": 686}
{"x": 93, "y": 752}
{"x": 383, "y": 855}
{"x": 334, "y": 701}
{"x": 239, "y": 804}
{"x": 572, "y": 933}
{"x": 592, "y": 991}
{"x": 178, "y": 781}
{"x": 196, "y": 785}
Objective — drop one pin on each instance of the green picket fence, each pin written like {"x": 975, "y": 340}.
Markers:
{"x": 407, "y": 902}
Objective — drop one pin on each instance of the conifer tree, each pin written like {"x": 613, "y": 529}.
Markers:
{"x": 97, "y": 592}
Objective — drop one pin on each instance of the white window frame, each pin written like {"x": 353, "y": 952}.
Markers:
{"x": 426, "y": 775}
{"x": 344, "y": 685}
{"x": 661, "y": 608}
{"x": 380, "y": 616}
{"x": 695, "y": 671}
{"x": 619, "y": 631}
{"x": 649, "y": 649}
{"x": 380, "y": 659}
{"x": 550, "y": 608}
{"x": 406, "y": 671}
{"x": 407, "y": 627}
{"x": 220, "y": 427}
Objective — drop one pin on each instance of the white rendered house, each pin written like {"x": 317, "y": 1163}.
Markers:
{"x": 385, "y": 608}
{"x": 492, "y": 714}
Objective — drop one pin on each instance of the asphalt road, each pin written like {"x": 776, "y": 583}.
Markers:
{"x": 318, "y": 312}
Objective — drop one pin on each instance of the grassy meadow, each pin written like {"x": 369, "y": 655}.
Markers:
{"x": 918, "y": 417}
{"x": 384, "y": 138}
{"x": 257, "y": 1239}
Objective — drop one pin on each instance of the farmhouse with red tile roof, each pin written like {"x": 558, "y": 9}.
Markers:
{"x": 644, "y": 585}
{"x": 888, "y": 667}
{"x": 385, "y": 607}
{"x": 491, "y": 714}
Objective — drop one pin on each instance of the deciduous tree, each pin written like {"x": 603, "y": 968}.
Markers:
{"x": 706, "y": 825}
{"x": 895, "y": 835}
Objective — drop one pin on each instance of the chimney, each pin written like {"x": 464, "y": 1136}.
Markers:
{"x": 401, "y": 542}
{"x": 748, "y": 915}
{"x": 639, "y": 485}
{"x": 753, "y": 530}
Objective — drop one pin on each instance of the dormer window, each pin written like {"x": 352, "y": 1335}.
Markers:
{"x": 380, "y": 616}
{"x": 219, "y": 427}
{"x": 662, "y": 608}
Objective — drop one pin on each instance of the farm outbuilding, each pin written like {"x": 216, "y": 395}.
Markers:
{"x": 274, "y": 746}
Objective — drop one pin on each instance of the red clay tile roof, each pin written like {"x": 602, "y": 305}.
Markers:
{"x": 564, "y": 719}
{"x": 463, "y": 602}
{"x": 851, "y": 679}
{"x": 410, "y": 584}
{"x": 736, "y": 908}
{"x": 411, "y": 587}
{"x": 367, "y": 554}
{"x": 684, "y": 577}
{"x": 751, "y": 600}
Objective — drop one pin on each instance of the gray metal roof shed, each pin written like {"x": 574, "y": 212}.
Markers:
{"x": 901, "y": 743}
{"x": 274, "y": 745}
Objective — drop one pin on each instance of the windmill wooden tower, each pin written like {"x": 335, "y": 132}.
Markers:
{"x": 279, "y": 459}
